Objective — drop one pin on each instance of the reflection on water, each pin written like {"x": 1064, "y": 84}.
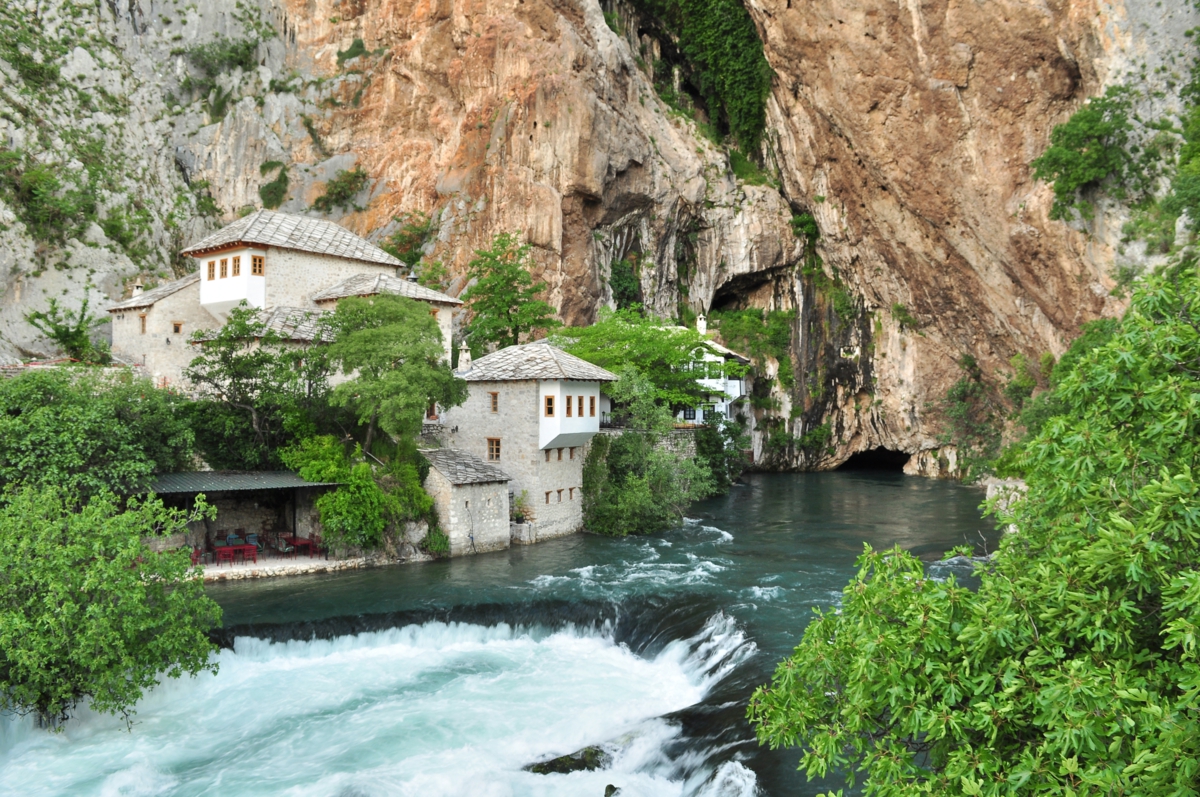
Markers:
{"x": 448, "y": 677}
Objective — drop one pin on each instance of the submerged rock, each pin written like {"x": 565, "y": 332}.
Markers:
{"x": 588, "y": 758}
{"x": 611, "y": 791}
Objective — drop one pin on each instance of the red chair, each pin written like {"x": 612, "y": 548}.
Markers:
{"x": 249, "y": 551}
{"x": 197, "y": 555}
{"x": 224, "y": 554}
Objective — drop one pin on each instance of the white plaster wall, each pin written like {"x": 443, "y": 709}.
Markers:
{"x": 551, "y": 427}
{"x": 163, "y": 354}
{"x": 221, "y": 294}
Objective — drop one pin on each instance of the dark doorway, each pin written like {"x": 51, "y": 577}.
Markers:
{"x": 876, "y": 459}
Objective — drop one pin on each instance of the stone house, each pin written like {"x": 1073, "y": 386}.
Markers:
{"x": 291, "y": 267}
{"x": 471, "y": 497}
{"x": 532, "y": 410}
{"x": 725, "y": 388}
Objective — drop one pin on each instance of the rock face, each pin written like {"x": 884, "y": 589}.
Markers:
{"x": 906, "y": 131}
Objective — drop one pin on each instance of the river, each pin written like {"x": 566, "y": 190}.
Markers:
{"x": 447, "y": 678}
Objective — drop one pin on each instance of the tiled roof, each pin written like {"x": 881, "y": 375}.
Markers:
{"x": 226, "y": 480}
{"x": 534, "y": 361}
{"x": 371, "y": 284}
{"x": 148, "y": 298}
{"x": 271, "y": 228}
{"x": 717, "y": 348}
{"x": 463, "y": 468}
{"x": 293, "y": 323}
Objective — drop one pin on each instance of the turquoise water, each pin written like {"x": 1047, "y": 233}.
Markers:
{"x": 448, "y": 678}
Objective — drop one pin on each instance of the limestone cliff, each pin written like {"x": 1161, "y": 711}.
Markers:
{"x": 905, "y": 130}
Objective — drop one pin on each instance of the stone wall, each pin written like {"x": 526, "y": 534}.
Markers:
{"x": 517, "y": 426}
{"x": 162, "y": 353}
{"x": 293, "y": 277}
{"x": 474, "y": 516}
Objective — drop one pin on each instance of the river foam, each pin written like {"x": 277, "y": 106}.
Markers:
{"x": 435, "y": 708}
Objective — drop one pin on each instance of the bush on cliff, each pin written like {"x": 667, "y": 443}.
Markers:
{"x": 1074, "y": 669}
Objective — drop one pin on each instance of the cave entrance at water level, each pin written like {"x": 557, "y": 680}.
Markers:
{"x": 877, "y": 459}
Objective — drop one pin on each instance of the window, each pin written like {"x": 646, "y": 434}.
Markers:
{"x": 258, "y": 265}
{"x": 560, "y": 496}
{"x": 493, "y": 449}
{"x": 571, "y": 494}
{"x": 580, "y": 405}
{"x": 568, "y": 406}
{"x": 549, "y": 406}
{"x": 592, "y": 406}
{"x": 689, "y": 414}
{"x": 431, "y": 412}
{"x": 560, "y": 455}
{"x": 212, "y": 269}
{"x": 142, "y": 321}
{"x": 177, "y": 327}
{"x": 224, "y": 268}
{"x": 237, "y": 266}
{"x": 547, "y": 496}
{"x": 572, "y": 452}
{"x": 495, "y": 401}
{"x": 547, "y": 455}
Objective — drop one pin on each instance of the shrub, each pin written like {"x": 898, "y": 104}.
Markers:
{"x": 341, "y": 190}
{"x": 1086, "y": 149}
{"x": 274, "y": 192}
{"x": 356, "y": 49}
{"x": 624, "y": 282}
{"x": 217, "y": 57}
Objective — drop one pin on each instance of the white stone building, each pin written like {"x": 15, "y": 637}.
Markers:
{"x": 722, "y": 381}
{"x": 471, "y": 497}
{"x": 531, "y": 411}
{"x": 290, "y": 267}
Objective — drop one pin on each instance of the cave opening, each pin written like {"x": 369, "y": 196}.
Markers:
{"x": 877, "y": 459}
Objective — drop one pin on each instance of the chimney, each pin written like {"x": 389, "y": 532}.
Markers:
{"x": 464, "y": 358}
{"x": 137, "y": 288}
{"x": 702, "y": 324}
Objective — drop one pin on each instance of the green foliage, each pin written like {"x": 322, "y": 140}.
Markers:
{"x": 341, "y": 190}
{"x": 1023, "y": 382}
{"x": 318, "y": 145}
{"x": 267, "y": 390}
{"x": 725, "y": 56}
{"x": 757, "y": 333}
{"x": 805, "y": 226}
{"x": 970, "y": 407}
{"x": 747, "y": 170}
{"x": 669, "y": 357}
{"x": 1074, "y": 668}
{"x": 624, "y": 282}
{"x": 356, "y": 49}
{"x": 393, "y": 349}
{"x": 433, "y": 275}
{"x": 88, "y": 430}
{"x": 88, "y": 613}
{"x": 36, "y": 74}
{"x": 71, "y": 329}
{"x": 815, "y": 439}
{"x": 406, "y": 243}
{"x": 723, "y": 447}
{"x": 502, "y": 298}
{"x": 632, "y": 484}
{"x": 613, "y": 21}
{"x": 205, "y": 204}
{"x": 1085, "y": 150}
{"x": 217, "y": 57}
{"x": 274, "y": 192}
{"x": 51, "y": 210}
{"x": 1151, "y": 222}
{"x": 905, "y": 319}
{"x": 369, "y": 499}
{"x": 436, "y": 542}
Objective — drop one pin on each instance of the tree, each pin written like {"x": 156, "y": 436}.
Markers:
{"x": 262, "y": 391}
{"x": 88, "y": 611}
{"x": 87, "y": 430}
{"x": 393, "y": 347}
{"x": 71, "y": 329}
{"x": 1074, "y": 669}
{"x": 670, "y": 357}
{"x": 503, "y": 297}
{"x": 635, "y": 483}
{"x": 406, "y": 243}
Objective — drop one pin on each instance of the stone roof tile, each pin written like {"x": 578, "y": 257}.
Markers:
{"x": 286, "y": 231}
{"x": 537, "y": 360}
{"x": 148, "y": 298}
{"x": 459, "y": 467}
{"x": 372, "y": 284}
